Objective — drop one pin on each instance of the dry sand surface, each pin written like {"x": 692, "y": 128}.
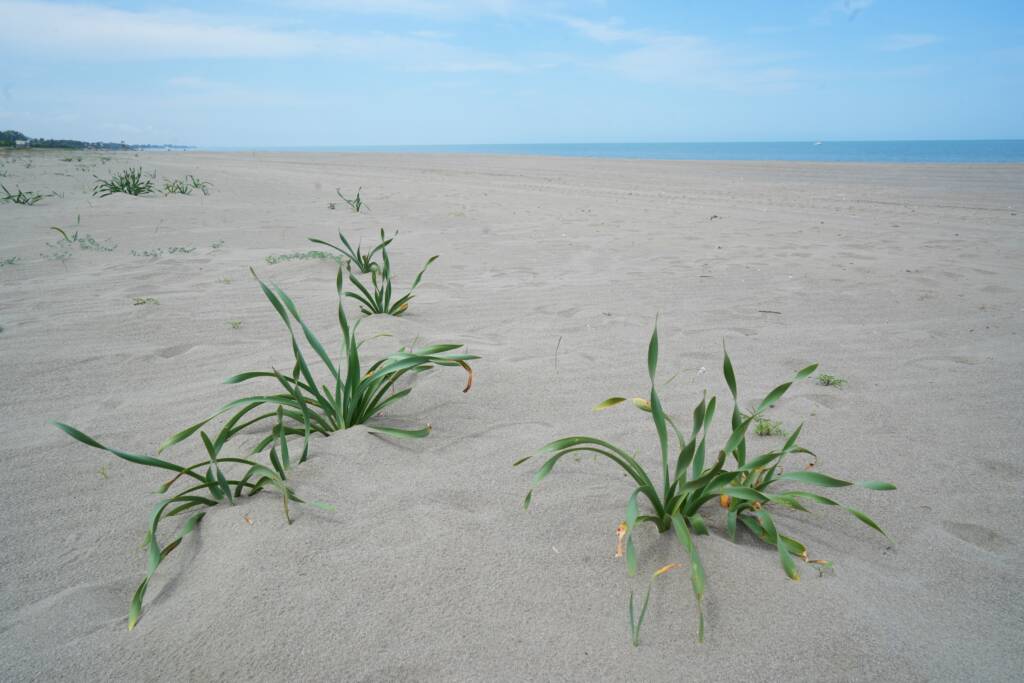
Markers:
{"x": 905, "y": 280}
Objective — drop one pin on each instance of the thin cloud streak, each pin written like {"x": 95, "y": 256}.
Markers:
{"x": 102, "y": 34}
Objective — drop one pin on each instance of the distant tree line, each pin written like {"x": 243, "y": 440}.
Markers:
{"x": 11, "y": 138}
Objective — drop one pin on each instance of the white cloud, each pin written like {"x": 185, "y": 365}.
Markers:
{"x": 685, "y": 60}
{"x": 109, "y": 35}
{"x": 694, "y": 61}
{"x": 604, "y": 32}
{"x": 906, "y": 41}
{"x": 99, "y": 32}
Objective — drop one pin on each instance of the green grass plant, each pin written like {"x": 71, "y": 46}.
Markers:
{"x": 352, "y": 395}
{"x": 186, "y": 185}
{"x": 379, "y": 297}
{"x": 8, "y": 261}
{"x": 301, "y": 406}
{"x": 20, "y": 197}
{"x": 132, "y": 181}
{"x": 692, "y": 475}
{"x": 206, "y": 484}
{"x": 363, "y": 262}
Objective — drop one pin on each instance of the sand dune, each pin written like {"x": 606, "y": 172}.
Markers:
{"x": 905, "y": 280}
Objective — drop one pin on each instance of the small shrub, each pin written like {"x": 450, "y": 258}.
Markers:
{"x": 745, "y": 488}
{"x": 131, "y": 181}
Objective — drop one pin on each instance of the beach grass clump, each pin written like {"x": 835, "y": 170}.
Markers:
{"x": 826, "y": 380}
{"x": 364, "y": 262}
{"x": 205, "y": 484}
{"x": 186, "y": 185}
{"x": 131, "y": 181}
{"x": 352, "y": 395}
{"x": 19, "y": 197}
{"x": 379, "y": 297}
{"x": 692, "y": 475}
{"x": 356, "y": 203}
{"x": 8, "y": 261}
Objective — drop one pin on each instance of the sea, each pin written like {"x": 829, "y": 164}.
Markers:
{"x": 868, "y": 151}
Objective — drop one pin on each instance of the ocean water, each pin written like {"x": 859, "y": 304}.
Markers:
{"x": 882, "y": 151}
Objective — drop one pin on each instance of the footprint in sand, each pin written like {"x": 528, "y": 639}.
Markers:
{"x": 172, "y": 351}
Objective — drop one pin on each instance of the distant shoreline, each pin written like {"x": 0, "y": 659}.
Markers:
{"x": 883, "y": 151}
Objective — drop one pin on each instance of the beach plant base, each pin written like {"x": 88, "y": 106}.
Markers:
{"x": 691, "y": 477}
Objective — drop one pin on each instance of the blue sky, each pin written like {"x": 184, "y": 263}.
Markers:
{"x": 345, "y": 72}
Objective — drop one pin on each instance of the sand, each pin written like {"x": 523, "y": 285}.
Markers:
{"x": 904, "y": 280}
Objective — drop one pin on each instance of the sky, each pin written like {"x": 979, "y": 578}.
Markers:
{"x": 294, "y": 73}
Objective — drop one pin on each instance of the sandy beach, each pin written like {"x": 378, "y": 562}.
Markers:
{"x": 905, "y": 280}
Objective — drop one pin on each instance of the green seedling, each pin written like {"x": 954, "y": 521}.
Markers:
{"x": 826, "y": 380}
{"x": 740, "y": 484}
{"x": 356, "y": 204}
{"x": 637, "y": 621}
{"x": 144, "y": 301}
